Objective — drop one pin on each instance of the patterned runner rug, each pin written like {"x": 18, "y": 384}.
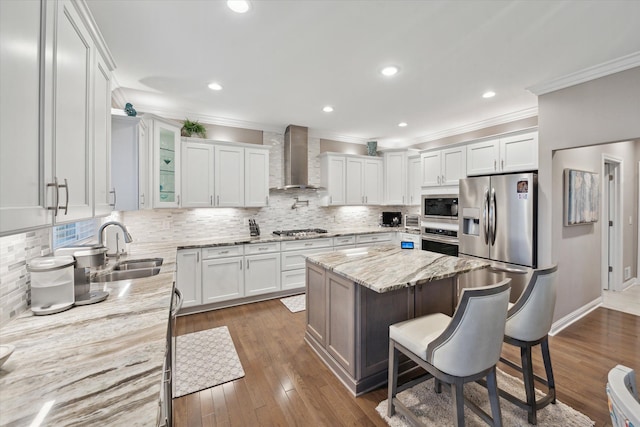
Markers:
{"x": 436, "y": 409}
{"x": 205, "y": 359}
{"x": 295, "y": 303}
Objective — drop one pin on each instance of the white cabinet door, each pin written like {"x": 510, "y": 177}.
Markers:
{"x": 73, "y": 154}
{"x": 166, "y": 168}
{"x": 482, "y": 157}
{"x": 354, "y": 181}
{"x": 519, "y": 152}
{"x": 189, "y": 276}
{"x": 229, "y": 176}
{"x": 372, "y": 182}
{"x": 431, "y": 168}
{"x": 197, "y": 175}
{"x": 24, "y": 165}
{"x": 125, "y": 152}
{"x": 256, "y": 186}
{"x": 105, "y": 194}
{"x": 222, "y": 279}
{"x": 262, "y": 274}
{"x": 333, "y": 178}
{"x": 453, "y": 166}
{"x": 414, "y": 180}
{"x": 145, "y": 167}
{"x": 395, "y": 178}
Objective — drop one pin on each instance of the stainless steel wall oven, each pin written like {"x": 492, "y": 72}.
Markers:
{"x": 439, "y": 225}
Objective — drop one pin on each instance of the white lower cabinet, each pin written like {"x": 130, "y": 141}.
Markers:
{"x": 189, "y": 276}
{"x": 294, "y": 253}
{"x": 364, "y": 240}
{"x": 262, "y": 274}
{"x": 222, "y": 279}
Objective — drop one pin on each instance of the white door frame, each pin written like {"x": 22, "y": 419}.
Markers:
{"x": 638, "y": 227}
{"x": 617, "y": 275}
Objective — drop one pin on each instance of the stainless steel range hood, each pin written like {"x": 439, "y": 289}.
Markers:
{"x": 296, "y": 162}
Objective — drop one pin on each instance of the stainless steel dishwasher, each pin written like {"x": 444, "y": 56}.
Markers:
{"x": 165, "y": 412}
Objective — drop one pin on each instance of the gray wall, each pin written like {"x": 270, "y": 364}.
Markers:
{"x": 592, "y": 113}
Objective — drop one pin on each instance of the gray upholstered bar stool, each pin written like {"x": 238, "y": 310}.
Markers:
{"x": 455, "y": 350}
{"x": 528, "y": 324}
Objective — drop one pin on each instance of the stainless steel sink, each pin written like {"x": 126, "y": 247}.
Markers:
{"x": 135, "y": 264}
{"x": 127, "y": 274}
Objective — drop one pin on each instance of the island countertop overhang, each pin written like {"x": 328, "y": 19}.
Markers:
{"x": 386, "y": 268}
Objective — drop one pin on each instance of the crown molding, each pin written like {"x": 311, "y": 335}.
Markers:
{"x": 591, "y": 73}
{"x": 494, "y": 121}
{"x": 96, "y": 35}
{"x": 325, "y": 134}
{"x": 117, "y": 97}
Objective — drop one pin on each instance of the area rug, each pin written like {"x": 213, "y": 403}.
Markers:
{"x": 205, "y": 359}
{"x": 436, "y": 409}
{"x": 295, "y": 304}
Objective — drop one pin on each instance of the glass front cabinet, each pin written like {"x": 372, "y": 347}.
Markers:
{"x": 166, "y": 163}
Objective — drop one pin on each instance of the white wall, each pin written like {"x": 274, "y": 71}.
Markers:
{"x": 596, "y": 112}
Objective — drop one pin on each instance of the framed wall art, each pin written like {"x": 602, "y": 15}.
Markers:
{"x": 581, "y": 197}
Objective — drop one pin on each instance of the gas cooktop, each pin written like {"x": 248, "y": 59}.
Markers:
{"x": 301, "y": 232}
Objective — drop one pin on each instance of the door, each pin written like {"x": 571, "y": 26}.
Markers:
{"x": 519, "y": 152}
{"x": 355, "y": 175}
{"x": 372, "y": 182}
{"x": 473, "y": 213}
{"x": 256, "y": 186}
{"x": 395, "y": 178}
{"x": 166, "y": 141}
{"x": 222, "y": 279}
{"x": 453, "y": 165}
{"x": 512, "y": 218}
{"x": 262, "y": 274}
{"x": 415, "y": 181}
{"x": 197, "y": 175}
{"x": 229, "y": 176}
{"x": 482, "y": 157}
{"x": 189, "y": 276}
{"x": 431, "y": 168}
{"x": 105, "y": 194}
{"x": 73, "y": 154}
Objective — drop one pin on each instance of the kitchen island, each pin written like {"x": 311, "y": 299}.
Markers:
{"x": 353, "y": 295}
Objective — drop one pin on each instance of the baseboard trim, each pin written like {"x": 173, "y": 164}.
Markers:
{"x": 574, "y": 316}
{"x": 629, "y": 283}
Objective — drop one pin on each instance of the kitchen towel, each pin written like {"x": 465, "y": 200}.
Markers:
{"x": 205, "y": 359}
{"x": 295, "y": 303}
{"x": 437, "y": 410}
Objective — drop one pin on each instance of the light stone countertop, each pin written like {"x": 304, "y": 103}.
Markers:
{"x": 101, "y": 364}
{"x": 386, "y": 268}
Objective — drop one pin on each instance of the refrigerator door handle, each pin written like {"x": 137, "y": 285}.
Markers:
{"x": 492, "y": 216}
{"x": 485, "y": 219}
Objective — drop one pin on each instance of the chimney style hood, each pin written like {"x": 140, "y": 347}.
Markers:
{"x": 296, "y": 162}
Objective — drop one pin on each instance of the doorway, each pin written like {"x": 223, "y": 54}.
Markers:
{"x": 611, "y": 223}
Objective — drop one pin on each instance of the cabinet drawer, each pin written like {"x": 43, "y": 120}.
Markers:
{"x": 344, "y": 240}
{"x": 293, "y": 279}
{"x": 297, "y": 259}
{"x": 294, "y": 245}
{"x": 374, "y": 238}
{"x": 222, "y": 251}
{"x": 261, "y": 248}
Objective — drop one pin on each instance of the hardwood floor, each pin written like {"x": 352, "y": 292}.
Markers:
{"x": 286, "y": 384}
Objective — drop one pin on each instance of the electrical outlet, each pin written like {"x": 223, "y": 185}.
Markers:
{"x": 627, "y": 273}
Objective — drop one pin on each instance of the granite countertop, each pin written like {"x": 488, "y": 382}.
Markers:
{"x": 100, "y": 364}
{"x": 386, "y": 268}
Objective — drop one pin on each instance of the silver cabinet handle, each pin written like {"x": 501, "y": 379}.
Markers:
{"x": 330, "y": 200}
{"x": 403, "y": 200}
{"x": 247, "y": 264}
{"x": 502, "y": 164}
{"x": 263, "y": 249}
{"x": 115, "y": 198}
{"x": 142, "y": 199}
{"x": 66, "y": 191}
{"x": 223, "y": 252}
{"x": 240, "y": 264}
{"x": 198, "y": 256}
{"x": 211, "y": 200}
{"x": 443, "y": 180}
{"x": 494, "y": 165}
{"x": 178, "y": 199}
{"x": 267, "y": 200}
{"x": 217, "y": 200}
{"x": 308, "y": 244}
{"x": 56, "y": 196}
{"x": 438, "y": 179}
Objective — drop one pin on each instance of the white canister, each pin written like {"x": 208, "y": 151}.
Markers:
{"x": 52, "y": 289}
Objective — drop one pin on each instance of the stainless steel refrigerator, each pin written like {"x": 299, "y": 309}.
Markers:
{"x": 498, "y": 222}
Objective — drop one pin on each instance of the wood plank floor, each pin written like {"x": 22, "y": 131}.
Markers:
{"x": 285, "y": 383}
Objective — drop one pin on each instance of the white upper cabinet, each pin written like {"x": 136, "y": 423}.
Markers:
{"x": 129, "y": 163}
{"x": 229, "y": 176}
{"x": 354, "y": 182}
{"x": 414, "y": 178}
{"x": 165, "y": 140}
{"x": 22, "y": 202}
{"x": 443, "y": 167}
{"x": 256, "y": 179}
{"x": 512, "y": 153}
{"x": 372, "y": 181}
{"x": 333, "y": 177}
{"x": 197, "y": 175}
{"x": 395, "y": 178}
{"x": 105, "y": 195}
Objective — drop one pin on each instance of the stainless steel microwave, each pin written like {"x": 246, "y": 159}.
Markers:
{"x": 440, "y": 206}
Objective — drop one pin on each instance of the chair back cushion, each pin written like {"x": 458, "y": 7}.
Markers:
{"x": 531, "y": 316}
{"x": 622, "y": 395}
{"x": 473, "y": 340}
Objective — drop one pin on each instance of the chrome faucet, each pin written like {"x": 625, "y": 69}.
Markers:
{"x": 127, "y": 236}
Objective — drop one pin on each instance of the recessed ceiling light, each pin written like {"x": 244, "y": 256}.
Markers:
{"x": 328, "y": 109}
{"x": 402, "y": 124}
{"x": 389, "y": 71}
{"x": 215, "y": 86}
{"x": 489, "y": 94}
{"x": 238, "y": 6}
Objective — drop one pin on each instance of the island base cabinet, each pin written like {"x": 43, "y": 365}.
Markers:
{"x": 341, "y": 321}
{"x": 316, "y": 299}
{"x": 435, "y": 297}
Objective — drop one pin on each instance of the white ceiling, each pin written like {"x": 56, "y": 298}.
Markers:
{"x": 281, "y": 62}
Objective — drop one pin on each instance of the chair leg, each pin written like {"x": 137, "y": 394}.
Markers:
{"x": 437, "y": 386}
{"x": 492, "y": 387}
{"x": 527, "y": 373}
{"x": 546, "y": 357}
{"x": 393, "y": 378}
{"x": 457, "y": 397}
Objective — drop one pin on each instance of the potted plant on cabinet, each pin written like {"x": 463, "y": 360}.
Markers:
{"x": 193, "y": 129}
